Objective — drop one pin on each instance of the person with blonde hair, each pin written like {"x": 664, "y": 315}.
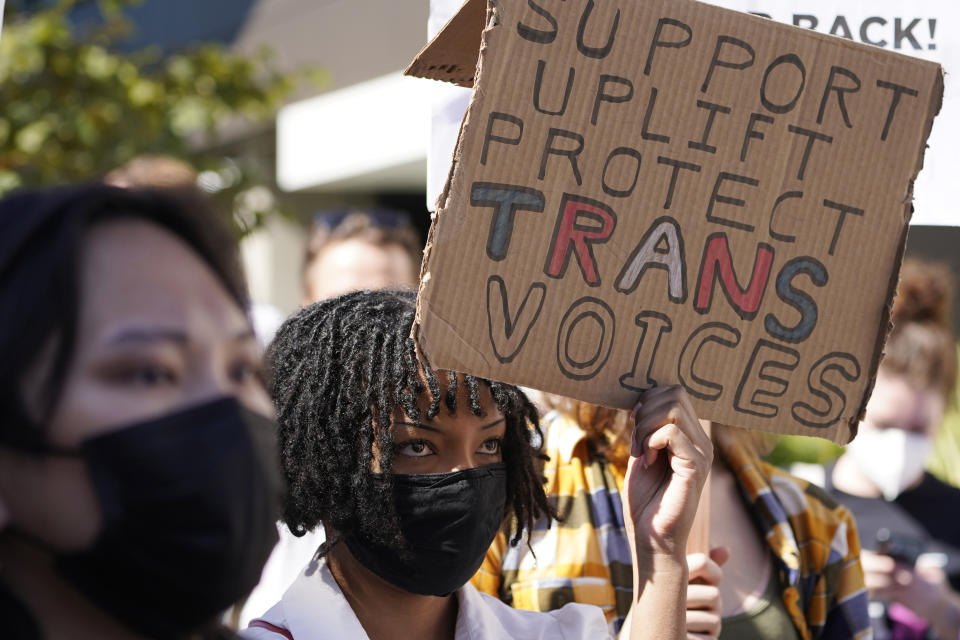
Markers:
{"x": 907, "y": 517}
{"x": 156, "y": 171}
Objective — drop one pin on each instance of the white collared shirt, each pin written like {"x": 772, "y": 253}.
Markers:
{"x": 314, "y": 608}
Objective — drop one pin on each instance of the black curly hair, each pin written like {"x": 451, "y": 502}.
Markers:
{"x": 337, "y": 370}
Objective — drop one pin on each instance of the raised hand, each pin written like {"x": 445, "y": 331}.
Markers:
{"x": 670, "y": 459}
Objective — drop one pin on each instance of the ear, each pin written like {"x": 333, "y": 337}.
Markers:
{"x": 4, "y": 514}
{"x": 6, "y": 486}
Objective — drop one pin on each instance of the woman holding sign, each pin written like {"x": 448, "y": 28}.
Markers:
{"x": 412, "y": 472}
{"x": 793, "y": 570}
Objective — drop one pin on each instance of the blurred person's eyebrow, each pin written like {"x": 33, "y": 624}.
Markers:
{"x": 148, "y": 336}
{"x": 151, "y": 336}
{"x": 244, "y": 335}
{"x": 420, "y": 425}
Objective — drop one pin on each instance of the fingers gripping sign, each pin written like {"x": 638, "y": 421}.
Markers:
{"x": 670, "y": 458}
{"x": 671, "y": 455}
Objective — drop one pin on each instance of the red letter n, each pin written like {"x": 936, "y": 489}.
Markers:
{"x": 717, "y": 264}
{"x": 573, "y": 233}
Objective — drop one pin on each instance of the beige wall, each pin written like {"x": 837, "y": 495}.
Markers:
{"x": 351, "y": 41}
{"x": 272, "y": 260}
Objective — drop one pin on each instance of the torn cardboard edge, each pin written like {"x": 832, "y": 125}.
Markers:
{"x": 885, "y": 324}
{"x": 467, "y": 25}
{"x": 453, "y": 53}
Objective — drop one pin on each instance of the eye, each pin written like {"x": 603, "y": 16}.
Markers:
{"x": 490, "y": 447}
{"x": 149, "y": 375}
{"x": 245, "y": 370}
{"x": 414, "y": 449}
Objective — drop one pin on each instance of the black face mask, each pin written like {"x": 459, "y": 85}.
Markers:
{"x": 448, "y": 521}
{"x": 189, "y": 505}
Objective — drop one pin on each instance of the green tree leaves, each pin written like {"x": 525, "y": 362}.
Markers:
{"x": 74, "y": 106}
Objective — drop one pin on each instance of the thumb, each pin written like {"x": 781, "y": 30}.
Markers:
{"x": 720, "y": 555}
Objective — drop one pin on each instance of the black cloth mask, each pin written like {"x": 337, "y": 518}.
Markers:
{"x": 189, "y": 504}
{"x": 448, "y": 521}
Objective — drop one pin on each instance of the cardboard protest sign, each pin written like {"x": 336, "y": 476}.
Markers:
{"x": 665, "y": 192}
{"x": 923, "y": 28}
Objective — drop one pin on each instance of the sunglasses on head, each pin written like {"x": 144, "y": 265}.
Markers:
{"x": 385, "y": 218}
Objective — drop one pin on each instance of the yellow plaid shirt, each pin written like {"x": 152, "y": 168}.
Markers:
{"x": 586, "y": 557}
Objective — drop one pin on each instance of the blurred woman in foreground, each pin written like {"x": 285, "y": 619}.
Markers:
{"x": 138, "y": 470}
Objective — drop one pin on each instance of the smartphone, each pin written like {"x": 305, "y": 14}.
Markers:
{"x": 900, "y": 547}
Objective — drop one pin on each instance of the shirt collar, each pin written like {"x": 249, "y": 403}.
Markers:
{"x": 476, "y": 619}
{"x": 563, "y": 435}
{"x": 316, "y": 597}
{"x": 314, "y": 608}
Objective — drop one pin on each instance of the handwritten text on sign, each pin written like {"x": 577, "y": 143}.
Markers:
{"x": 667, "y": 192}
